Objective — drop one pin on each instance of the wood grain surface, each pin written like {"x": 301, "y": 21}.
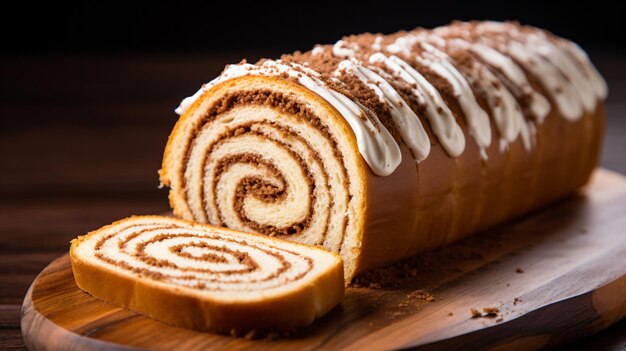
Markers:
{"x": 555, "y": 276}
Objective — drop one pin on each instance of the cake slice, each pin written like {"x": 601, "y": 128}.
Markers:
{"x": 207, "y": 278}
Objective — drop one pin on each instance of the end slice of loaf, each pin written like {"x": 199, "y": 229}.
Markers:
{"x": 207, "y": 278}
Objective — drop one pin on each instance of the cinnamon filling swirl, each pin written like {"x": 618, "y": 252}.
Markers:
{"x": 199, "y": 259}
{"x": 265, "y": 181}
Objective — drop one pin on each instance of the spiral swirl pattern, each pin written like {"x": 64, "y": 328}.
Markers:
{"x": 260, "y": 161}
{"x": 199, "y": 258}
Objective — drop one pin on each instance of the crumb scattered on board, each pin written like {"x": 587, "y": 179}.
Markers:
{"x": 519, "y": 270}
{"x": 491, "y": 311}
{"x": 488, "y": 312}
{"x": 421, "y": 295}
{"x": 417, "y": 295}
{"x": 438, "y": 265}
{"x": 475, "y": 313}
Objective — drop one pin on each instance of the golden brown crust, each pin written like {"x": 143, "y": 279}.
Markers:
{"x": 184, "y": 308}
{"x": 424, "y": 212}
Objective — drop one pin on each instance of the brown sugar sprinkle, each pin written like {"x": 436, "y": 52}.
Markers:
{"x": 421, "y": 295}
{"x": 417, "y": 295}
{"x": 417, "y": 268}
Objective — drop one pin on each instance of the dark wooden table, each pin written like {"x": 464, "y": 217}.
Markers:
{"x": 82, "y": 138}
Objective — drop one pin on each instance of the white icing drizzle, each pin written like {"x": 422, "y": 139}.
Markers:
{"x": 504, "y": 145}
{"x": 477, "y": 119}
{"x": 344, "y": 49}
{"x": 376, "y": 45}
{"x": 318, "y": 49}
{"x": 565, "y": 63}
{"x": 572, "y": 81}
{"x": 188, "y": 101}
{"x": 565, "y": 96}
{"x": 402, "y": 45}
{"x": 442, "y": 120}
{"x": 597, "y": 82}
{"x": 506, "y": 112}
{"x": 542, "y": 59}
{"x": 539, "y": 105}
{"x": 525, "y": 134}
{"x": 376, "y": 144}
{"x": 379, "y": 149}
{"x": 408, "y": 124}
{"x": 562, "y": 67}
{"x": 405, "y": 43}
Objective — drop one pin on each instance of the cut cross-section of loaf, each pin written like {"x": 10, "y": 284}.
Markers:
{"x": 207, "y": 278}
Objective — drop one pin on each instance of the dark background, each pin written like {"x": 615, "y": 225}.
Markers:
{"x": 209, "y": 26}
{"x": 87, "y": 93}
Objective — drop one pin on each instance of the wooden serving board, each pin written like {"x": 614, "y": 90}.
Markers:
{"x": 555, "y": 276}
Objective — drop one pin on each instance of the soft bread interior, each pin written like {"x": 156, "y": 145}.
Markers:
{"x": 266, "y": 155}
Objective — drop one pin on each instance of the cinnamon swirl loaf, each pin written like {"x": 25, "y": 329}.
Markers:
{"x": 382, "y": 146}
{"x": 207, "y": 278}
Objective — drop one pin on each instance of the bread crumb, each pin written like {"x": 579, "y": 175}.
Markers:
{"x": 491, "y": 311}
{"x": 488, "y": 312}
{"x": 516, "y": 300}
{"x": 421, "y": 295}
{"x": 499, "y": 320}
{"x": 519, "y": 270}
{"x": 450, "y": 314}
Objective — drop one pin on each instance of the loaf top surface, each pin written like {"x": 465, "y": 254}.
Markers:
{"x": 503, "y": 79}
{"x": 204, "y": 261}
